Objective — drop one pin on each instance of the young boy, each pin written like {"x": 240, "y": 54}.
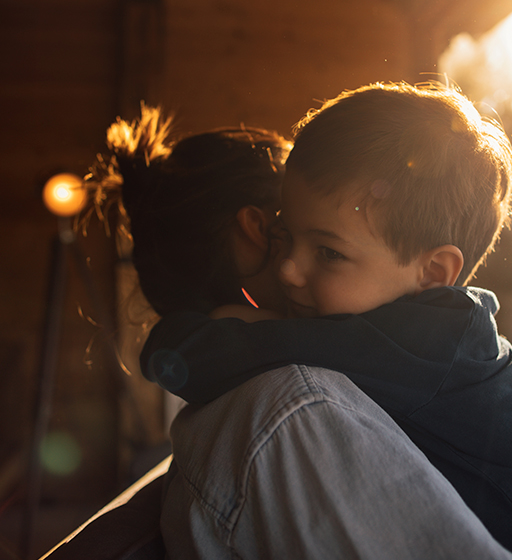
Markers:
{"x": 393, "y": 196}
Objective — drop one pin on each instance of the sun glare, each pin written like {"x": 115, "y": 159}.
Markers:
{"x": 483, "y": 67}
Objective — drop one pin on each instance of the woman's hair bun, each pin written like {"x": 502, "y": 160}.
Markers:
{"x": 137, "y": 150}
{"x": 139, "y": 147}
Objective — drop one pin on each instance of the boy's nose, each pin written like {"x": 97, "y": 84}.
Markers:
{"x": 290, "y": 274}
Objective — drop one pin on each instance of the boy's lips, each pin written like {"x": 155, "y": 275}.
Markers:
{"x": 298, "y": 310}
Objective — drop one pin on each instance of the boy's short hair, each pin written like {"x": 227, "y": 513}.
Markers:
{"x": 435, "y": 170}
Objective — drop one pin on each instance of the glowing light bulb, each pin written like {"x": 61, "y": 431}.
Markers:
{"x": 64, "y": 194}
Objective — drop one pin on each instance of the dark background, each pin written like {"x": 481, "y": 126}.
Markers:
{"x": 67, "y": 69}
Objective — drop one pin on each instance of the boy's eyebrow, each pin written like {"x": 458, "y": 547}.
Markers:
{"x": 326, "y": 233}
{"x": 332, "y": 235}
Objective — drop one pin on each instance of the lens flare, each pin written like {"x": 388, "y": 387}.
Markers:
{"x": 249, "y": 298}
{"x": 60, "y": 454}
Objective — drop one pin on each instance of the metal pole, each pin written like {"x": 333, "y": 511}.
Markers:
{"x": 49, "y": 355}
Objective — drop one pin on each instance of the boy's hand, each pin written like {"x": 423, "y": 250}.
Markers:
{"x": 244, "y": 312}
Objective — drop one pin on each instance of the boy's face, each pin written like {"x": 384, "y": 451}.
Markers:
{"x": 334, "y": 260}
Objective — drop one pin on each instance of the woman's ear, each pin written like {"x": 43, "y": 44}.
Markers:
{"x": 441, "y": 267}
{"x": 249, "y": 239}
{"x": 254, "y": 222}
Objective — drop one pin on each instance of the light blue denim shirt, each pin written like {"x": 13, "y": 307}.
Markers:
{"x": 299, "y": 463}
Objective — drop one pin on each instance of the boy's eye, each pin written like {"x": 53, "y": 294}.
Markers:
{"x": 330, "y": 254}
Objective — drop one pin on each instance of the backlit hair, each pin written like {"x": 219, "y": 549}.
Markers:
{"x": 422, "y": 157}
{"x": 181, "y": 198}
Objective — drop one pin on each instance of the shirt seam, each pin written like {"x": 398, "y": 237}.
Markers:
{"x": 310, "y": 394}
{"x": 255, "y": 449}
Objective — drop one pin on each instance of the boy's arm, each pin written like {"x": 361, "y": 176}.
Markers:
{"x": 247, "y": 313}
{"x": 199, "y": 359}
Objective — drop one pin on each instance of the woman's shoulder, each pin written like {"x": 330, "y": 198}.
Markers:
{"x": 212, "y": 442}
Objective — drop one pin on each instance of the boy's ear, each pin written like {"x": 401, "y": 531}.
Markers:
{"x": 253, "y": 223}
{"x": 441, "y": 267}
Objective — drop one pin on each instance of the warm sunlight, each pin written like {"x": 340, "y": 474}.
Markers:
{"x": 483, "y": 68}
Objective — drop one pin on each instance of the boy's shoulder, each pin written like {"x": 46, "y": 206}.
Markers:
{"x": 456, "y": 297}
{"x": 433, "y": 324}
{"x": 481, "y": 298}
